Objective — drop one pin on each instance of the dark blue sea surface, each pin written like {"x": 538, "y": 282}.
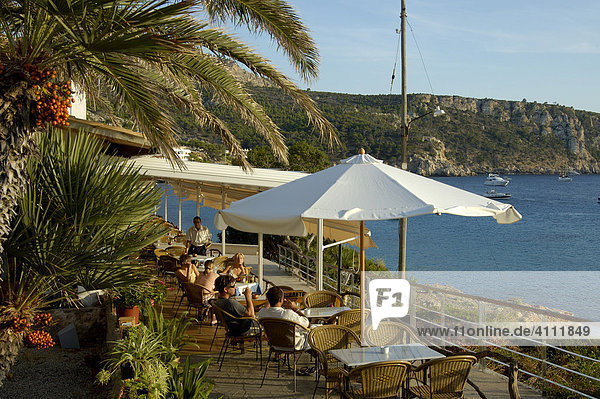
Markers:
{"x": 559, "y": 233}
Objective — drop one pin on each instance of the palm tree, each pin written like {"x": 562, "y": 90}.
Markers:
{"x": 154, "y": 56}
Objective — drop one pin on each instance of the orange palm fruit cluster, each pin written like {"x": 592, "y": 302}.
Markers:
{"x": 40, "y": 339}
{"x": 20, "y": 324}
{"x": 53, "y": 100}
{"x": 42, "y": 319}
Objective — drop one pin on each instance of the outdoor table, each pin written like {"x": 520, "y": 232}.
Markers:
{"x": 353, "y": 357}
{"x": 240, "y": 287}
{"x": 257, "y": 302}
{"x": 323, "y": 313}
{"x": 199, "y": 260}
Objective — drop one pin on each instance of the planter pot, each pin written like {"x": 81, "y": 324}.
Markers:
{"x": 129, "y": 312}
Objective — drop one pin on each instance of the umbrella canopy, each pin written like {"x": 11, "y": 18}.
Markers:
{"x": 359, "y": 188}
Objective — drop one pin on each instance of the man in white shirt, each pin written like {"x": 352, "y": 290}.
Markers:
{"x": 198, "y": 237}
{"x": 281, "y": 308}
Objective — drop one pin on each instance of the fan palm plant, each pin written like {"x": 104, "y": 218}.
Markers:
{"x": 82, "y": 214}
{"x": 154, "y": 56}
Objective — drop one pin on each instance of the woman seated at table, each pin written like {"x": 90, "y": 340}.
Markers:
{"x": 187, "y": 269}
{"x": 207, "y": 279}
{"x": 235, "y": 266}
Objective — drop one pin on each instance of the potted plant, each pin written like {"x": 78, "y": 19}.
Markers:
{"x": 138, "y": 357}
{"x": 128, "y": 300}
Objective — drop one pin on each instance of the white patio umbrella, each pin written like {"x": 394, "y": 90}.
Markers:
{"x": 359, "y": 188}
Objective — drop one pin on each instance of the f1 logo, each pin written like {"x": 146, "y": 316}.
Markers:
{"x": 388, "y": 298}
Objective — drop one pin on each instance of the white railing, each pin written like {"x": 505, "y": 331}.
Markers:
{"x": 304, "y": 268}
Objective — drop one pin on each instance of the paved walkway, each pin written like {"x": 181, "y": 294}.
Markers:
{"x": 240, "y": 376}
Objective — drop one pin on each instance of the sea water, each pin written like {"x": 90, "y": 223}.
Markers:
{"x": 556, "y": 242}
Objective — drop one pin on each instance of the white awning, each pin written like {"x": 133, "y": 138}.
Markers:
{"x": 220, "y": 185}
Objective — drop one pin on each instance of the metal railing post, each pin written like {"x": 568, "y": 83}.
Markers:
{"x": 481, "y": 322}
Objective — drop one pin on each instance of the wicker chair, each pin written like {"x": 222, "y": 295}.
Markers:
{"x": 175, "y": 251}
{"x": 376, "y": 380}
{"x": 442, "y": 378}
{"x": 214, "y": 252}
{"x": 348, "y": 318}
{"x": 294, "y": 295}
{"x": 390, "y": 333}
{"x": 281, "y": 335}
{"x": 254, "y": 335}
{"x": 195, "y": 297}
{"x": 321, "y": 299}
{"x": 167, "y": 265}
{"x": 181, "y": 278}
{"x": 219, "y": 261}
{"x": 322, "y": 339}
{"x": 160, "y": 252}
{"x": 180, "y": 239}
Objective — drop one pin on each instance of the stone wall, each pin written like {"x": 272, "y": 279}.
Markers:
{"x": 90, "y": 324}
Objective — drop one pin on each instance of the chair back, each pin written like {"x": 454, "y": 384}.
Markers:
{"x": 281, "y": 334}
{"x": 379, "y": 380}
{"x": 194, "y": 293}
{"x": 225, "y": 318}
{"x": 322, "y": 299}
{"x": 322, "y": 339}
{"x": 294, "y": 295}
{"x": 219, "y": 261}
{"x": 175, "y": 251}
{"x": 448, "y": 375}
{"x": 168, "y": 263}
{"x": 348, "y": 318}
{"x": 390, "y": 333}
{"x": 180, "y": 239}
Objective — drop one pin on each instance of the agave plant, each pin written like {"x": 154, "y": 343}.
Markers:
{"x": 172, "y": 331}
{"x": 83, "y": 214}
{"x": 190, "y": 382}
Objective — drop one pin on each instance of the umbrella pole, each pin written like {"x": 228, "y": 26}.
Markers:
{"x": 402, "y": 226}
{"x": 362, "y": 277}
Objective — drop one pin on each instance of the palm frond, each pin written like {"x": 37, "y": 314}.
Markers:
{"x": 279, "y": 20}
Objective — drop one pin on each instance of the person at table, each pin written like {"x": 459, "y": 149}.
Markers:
{"x": 187, "y": 269}
{"x": 235, "y": 266}
{"x": 280, "y": 308}
{"x": 198, "y": 238}
{"x": 225, "y": 285}
{"x": 207, "y": 278}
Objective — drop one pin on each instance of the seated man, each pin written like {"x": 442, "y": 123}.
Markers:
{"x": 197, "y": 238}
{"x": 225, "y": 285}
{"x": 281, "y": 308}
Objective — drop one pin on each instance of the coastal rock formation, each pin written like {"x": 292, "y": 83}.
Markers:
{"x": 434, "y": 161}
{"x": 579, "y": 131}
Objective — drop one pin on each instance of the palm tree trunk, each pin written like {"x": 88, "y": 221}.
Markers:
{"x": 16, "y": 144}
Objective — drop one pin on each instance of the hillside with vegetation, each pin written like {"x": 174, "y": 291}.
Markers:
{"x": 474, "y": 136}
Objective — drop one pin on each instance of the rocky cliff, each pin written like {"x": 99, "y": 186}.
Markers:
{"x": 577, "y": 131}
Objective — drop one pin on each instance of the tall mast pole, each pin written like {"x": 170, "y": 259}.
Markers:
{"x": 402, "y": 225}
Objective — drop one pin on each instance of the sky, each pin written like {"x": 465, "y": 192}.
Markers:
{"x": 544, "y": 51}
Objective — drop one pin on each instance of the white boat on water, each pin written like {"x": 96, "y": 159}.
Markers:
{"x": 494, "y": 179}
{"x": 495, "y": 195}
{"x": 564, "y": 177}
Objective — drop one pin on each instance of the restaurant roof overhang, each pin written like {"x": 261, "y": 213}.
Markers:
{"x": 217, "y": 186}
{"x": 125, "y": 142}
